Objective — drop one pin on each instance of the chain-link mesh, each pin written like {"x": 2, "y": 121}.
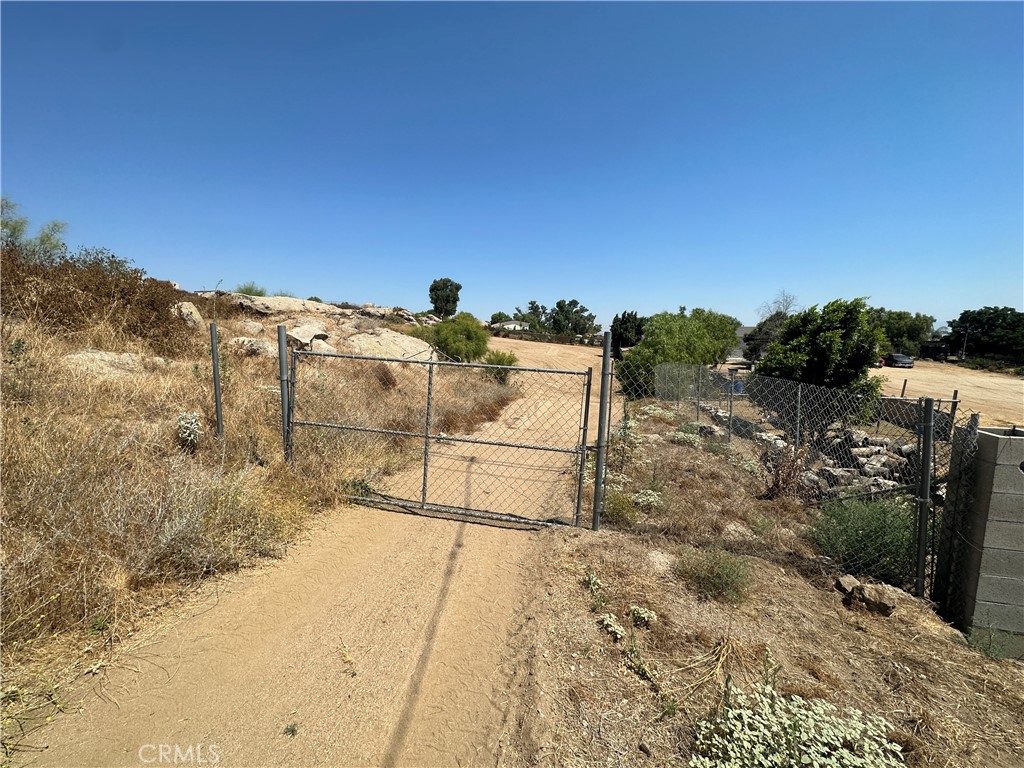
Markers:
{"x": 499, "y": 440}
{"x": 855, "y": 457}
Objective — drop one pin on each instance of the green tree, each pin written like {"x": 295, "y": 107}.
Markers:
{"x": 570, "y": 318}
{"x": 765, "y": 332}
{"x": 702, "y": 337}
{"x": 833, "y": 347}
{"x": 536, "y": 315}
{"x": 627, "y": 331}
{"x": 444, "y": 296}
{"x": 989, "y": 332}
{"x": 904, "y": 332}
{"x": 500, "y": 317}
{"x": 462, "y": 338}
{"x": 46, "y": 247}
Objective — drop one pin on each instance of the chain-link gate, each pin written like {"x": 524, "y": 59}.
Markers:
{"x": 494, "y": 442}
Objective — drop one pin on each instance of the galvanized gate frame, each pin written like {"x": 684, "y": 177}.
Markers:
{"x": 289, "y": 423}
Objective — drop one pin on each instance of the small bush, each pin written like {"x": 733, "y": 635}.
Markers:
{"x": 868, "y": 538}
{"x": 784, "y": 466}
{"x": 462, "y": 338}
{"x": 620, "y": 511}
{"x": 285, "y": 293}
{"x": 714, "y": 574}
{"x": 251, "y": 289}
{"x": 316, "y": 299}
{"x": 765, "y": 728}
{"x": 495, "y": 357}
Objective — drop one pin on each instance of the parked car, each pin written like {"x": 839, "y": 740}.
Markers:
{"x": 899, "y": 361}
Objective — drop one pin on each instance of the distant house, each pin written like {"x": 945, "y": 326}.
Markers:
{"x": 511, "y": 325}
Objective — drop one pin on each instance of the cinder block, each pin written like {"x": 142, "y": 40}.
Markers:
{"x": 1001, "y": 535}
{"x": 1009, "y": 618}
{"x": 997, "y": 478}
{"x": 994, "y": 589}
{"x": 996, "y": 446}
{"x": 1002, "y": 562}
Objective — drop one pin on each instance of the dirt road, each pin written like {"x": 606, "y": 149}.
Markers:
{"x": 998, "y": 397}
{"x": 383, "y": 640}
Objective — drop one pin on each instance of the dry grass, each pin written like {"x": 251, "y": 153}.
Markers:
{"x": 636, "y": 702}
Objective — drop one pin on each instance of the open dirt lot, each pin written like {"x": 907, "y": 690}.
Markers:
{"x": 998, "y": 397}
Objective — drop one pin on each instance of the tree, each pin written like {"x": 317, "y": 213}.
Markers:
{"x": 833, "y": 347}
{"x": 566, "y": 318}
{"x": 45, "y": 248}
{"x": 444, "y": 296}
{"x": 500, "y": 317}
{"x": 462, "y": 338}
{"x": 989, "y": 332}
{"x": 701, "y": 338}
{"x": 904, "y": 332}
{"x": 627, "y": 331}
{"x": 765, "y": 332}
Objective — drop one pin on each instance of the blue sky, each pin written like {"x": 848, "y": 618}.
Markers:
{"x": 632, "y": 156}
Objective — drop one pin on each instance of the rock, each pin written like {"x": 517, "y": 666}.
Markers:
{"x": 273, "y": 305}
{"x": 303, "y": 335}
{"x": 874, "y": 470}
{"x": 884, "y": 442}
{"x": 876, "y": 598}
{"x": 836, "y": 476}
{"x": 109, "y": 365}
{"x": 907, "y": 450}
{"x": 242, "y": 345}
{"x": 252, "y": 328}
{"x": 881, "y": 484}
{"x": 383, "y": 342}
{"x": 846, "y": 583}
{"x": 709, "y": 430}
{"x": 187, "y": 311}
{"x": 813, "y": 481}
{"x": 319, "y": 345}
{"x": 871, "y": 450}
{"x": 430, "y": 320}
{"x": 858, "y": 437}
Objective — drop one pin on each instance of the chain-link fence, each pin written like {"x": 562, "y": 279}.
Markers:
{"x": 499, "y": 442}
{"x": 857, "y": 458}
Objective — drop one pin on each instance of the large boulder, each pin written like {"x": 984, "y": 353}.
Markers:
{"x": 273, "y": 305}
{"x": 383, "y": 342}
{"x": 187, "y": 311}
{"x": 302, "y": 336}
{"x": 252, "y": 328}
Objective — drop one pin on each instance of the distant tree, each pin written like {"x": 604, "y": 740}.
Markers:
{"x": 627, "y": 331}
{"x": 462, "y": 338}
{"x": 444, "y": 296}
{"x": 500, "y": 317}
{"x": 996, "y": 332}
{"x": 904, "y": 332}
{"x": 566, "y": 318}
{"x": 784, "y": 302}
{"x": 702, "y": 337}
{"x": 46, "y": 247}
{"x": 765, "y": 332}
{"x": 316, "y": 299}
{"x": 834, "y": 347}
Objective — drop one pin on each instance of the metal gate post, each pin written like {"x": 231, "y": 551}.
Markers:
{"x": 583, "y": 445}
{"x": 799, "y": 393}
{"x": 732, "y": 388}
{"x": 699, "y": 369}
{"x": 602, "y": 429}
{"x": 282, "y": 364}
{"x": 426, "y": 434}
{"x": 215, "y": 356}
{"x": 927, "y": 423}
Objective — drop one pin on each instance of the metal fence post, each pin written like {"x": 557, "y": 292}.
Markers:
{"x": 699, "y": 369}
{"x": 927, "y": 423}
{"x": 583, "y": 445}
{"x": 282, "y": 364}
{"x": 799, "y": 393}
{"x": 215, "y": 357}
{"x": 426, "y": 434}
{"x": 732, "y": 389}
{"x": 602, "y": 429}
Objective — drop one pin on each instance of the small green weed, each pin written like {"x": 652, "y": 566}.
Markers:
{"x": 715, "y": 574}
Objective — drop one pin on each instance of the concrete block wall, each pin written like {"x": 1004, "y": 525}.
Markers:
{"x": 993, "y": 570}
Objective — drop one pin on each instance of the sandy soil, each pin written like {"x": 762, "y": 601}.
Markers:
{"x": 384, "y": 639}
{"x": 998, "y": 397}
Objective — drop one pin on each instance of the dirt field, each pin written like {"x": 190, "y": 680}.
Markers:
{"x": 998, "y": 397}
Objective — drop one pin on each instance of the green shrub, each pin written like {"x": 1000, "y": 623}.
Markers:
{"x": 283, "y": 292}
{"x": 868, "y": 538}
{"x": 714, "y": 574}
{"x": 495, "y": 357}
{"x": 462, "y": 338}
{"x": 620, "y": 510}
{"x": 764, "y": 728}
{"x": 316, "y": 299}
{"x": 251, "y": 289}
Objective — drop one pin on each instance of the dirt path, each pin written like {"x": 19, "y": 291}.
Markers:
{"x": 998, "y": 397}
{"x": 384, "y": 639}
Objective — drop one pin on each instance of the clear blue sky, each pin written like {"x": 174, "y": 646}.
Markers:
{"x": 632, "y": 156}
